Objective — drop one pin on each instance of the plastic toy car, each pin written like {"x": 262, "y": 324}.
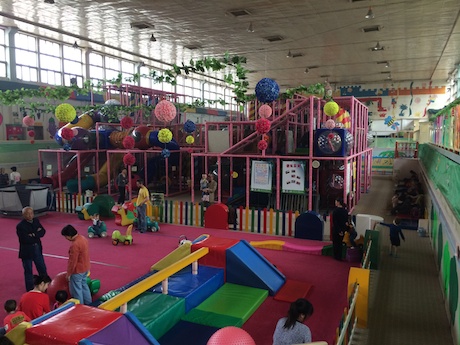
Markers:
{"x": 151, "y": 225}
{"x": 100, "y": 231}
{"x": 126, "y": 239}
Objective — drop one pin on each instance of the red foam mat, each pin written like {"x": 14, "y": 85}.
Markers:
{"x": 292, "y": 290}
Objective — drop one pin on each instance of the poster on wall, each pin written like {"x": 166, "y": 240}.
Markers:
{"x": 261, "y": 177}
{"x": 293, "y": 180}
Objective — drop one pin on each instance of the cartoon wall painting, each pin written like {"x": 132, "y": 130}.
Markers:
{"x": 402, "y": 107}
{"x": 390, "y": 122}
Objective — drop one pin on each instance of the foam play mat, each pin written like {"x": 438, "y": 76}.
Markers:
{"x": 292, "y": 290}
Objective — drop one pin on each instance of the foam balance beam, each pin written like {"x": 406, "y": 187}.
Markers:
{"x": 231, "y": 305}
{"x": 194, "y": 288}
{"x": 157, "y": 312}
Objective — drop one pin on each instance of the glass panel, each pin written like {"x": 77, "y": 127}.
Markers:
{"x": 73, "y": 67}
{"x": 2, "y": 36}
{"x": 51, "y": 63}
{"x": 111, "y": 63}
{"x": 2, "y": 70}
{"x": 95, "y": 59}
{"x": 26, "y": 58}
{"x": 127, "y": 67}
{"x": 33, "y": 72}
{"x": 49, "y": 48}
{"x": 96, "y": 72}
{"x": 2, "y": 54}
{"x": 111, "y": 74}
{"x": 73, "y": 54}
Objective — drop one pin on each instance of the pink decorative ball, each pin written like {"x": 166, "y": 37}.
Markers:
{"x": 231, "y": 336}
{"x": 28, "y": 121}
{"x": 126, "y": 122}
{"x": 165, "y": 111}
{"x": 128, "y": 143}
{"x": 330, "y": 124}
{"x": 129, "y": 159}
{"x": 265, "y": 111}
{"x": 262, "y": 145}
{"x": 263, "y": 126}
{"x": 31, "y": 133}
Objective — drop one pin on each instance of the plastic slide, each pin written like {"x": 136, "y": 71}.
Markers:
{"x": 69, "y": 172}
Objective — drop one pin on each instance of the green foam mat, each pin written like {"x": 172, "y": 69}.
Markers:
{"x": 231, "y": 300}
{"x": 157, "y": 312}
{"x": 207, "y": 318}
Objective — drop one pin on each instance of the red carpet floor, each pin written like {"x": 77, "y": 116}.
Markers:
{"x": 117, "y": 266}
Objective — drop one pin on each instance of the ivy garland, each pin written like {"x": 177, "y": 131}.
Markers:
{"x": 446, "y": 110}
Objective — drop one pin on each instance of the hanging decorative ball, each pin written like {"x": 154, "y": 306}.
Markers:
{"x": 67, "y": 133}
{"x": 265, "y": 111}
{"x": 262, "y": 145}
{"x": 190, "y": 139}
{"x": 165, "y": 111}
{"x": 331, "y": 108}
{"x": 165, "y": 153}
{"x": 263, "y": 126}
{"x": 267, "y": 90}
{"x": 127, "y": 122}
{"x": 65, "y": 112}
{"x": 67, "y": 147}
{"x": 165, "y": 135}
{"x": 266, "y": 137}
{"x": 31, "y": 133}
{"x": 129, "y": 159}
{"x": 189, "y": 126}
{"x": 128, "y": 143}
{"x": 28, "y": 121}
{"x": 330, "y": 124}
{"x": 234, "y": 174}
{"x": 32, "y": 141}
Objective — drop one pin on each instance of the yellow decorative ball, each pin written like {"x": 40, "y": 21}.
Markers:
{"x": 331, "y": 108}
{"x": 65, "y": 112}
{"x": 190, "y": 139}
{"x": 165, "y": 135}
{"x": 235, "y": 174}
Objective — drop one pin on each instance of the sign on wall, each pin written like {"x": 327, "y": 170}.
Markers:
{"x": 261, "y": 176}
{"x": 293, "y": 180}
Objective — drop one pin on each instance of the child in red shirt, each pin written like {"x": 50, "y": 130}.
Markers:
{"x": 36, "y": 302}
{"x": 14, "y": 317}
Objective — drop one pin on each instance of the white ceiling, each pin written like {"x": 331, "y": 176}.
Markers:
{"x": 421, "y": 38}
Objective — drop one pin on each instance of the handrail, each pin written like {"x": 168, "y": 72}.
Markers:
{"x": 366, "y": 259}
{"x": 344, "y": 329}
{"x": 135, "y": 290}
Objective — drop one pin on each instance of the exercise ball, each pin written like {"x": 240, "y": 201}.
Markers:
{"x": 59, "y": 282}
{"x": 231, "y": 336}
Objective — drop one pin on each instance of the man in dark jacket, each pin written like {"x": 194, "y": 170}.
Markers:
{"x": 30, "y": 231}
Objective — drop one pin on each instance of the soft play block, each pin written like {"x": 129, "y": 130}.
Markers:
{"x": 70, "y": 326}
{"x": 246, "y": 266}
{"x": 212, "y": 319}
{"x": 217, "y": 247}
{"x": 188, "y": 333}
{"x": 216, "y": 217}
{"x": 292, "y": 290}
{"x": 157, "y": 312}
{"x": 235, "y": 301}
{"x": 195, "y": 288}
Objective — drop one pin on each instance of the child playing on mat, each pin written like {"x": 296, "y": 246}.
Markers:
{"x": 395, "y": 234}
{"x": 61, "y": 297}
{"x": 204, "y": 188}
{"x": 290, "y": 329}
{"x": 14, "y": 317}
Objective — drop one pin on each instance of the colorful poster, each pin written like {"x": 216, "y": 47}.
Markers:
{"x": 261, "y": 177}
{"x": 293, "y": 181}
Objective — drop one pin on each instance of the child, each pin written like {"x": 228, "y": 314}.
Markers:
{"x": 204, "y": 188}
{"x": 395, "y": 234}
{"x": 96, "y": 223}
{"x": 14, "y": 317}
{"x": 351, "y": 232}
{"x": 61, "y": 297}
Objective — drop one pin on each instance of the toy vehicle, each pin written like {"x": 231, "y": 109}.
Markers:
{"x": 151, "y": 225}
{"x": 126, "y": 239}
{"x": 100, "y": 231}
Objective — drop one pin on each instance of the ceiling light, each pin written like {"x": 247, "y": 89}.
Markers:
{"x": 389, "y": 76}
{"x": 75, "y": 45}
{"x": 250, "y": 27}
{"x": 377, "y": 47}
{"x": 289, "y": 54}
{"x": 49, "y": 2}
{"x": 370, "y": 14}
{"x": 152, "y": 38}
{"x": 387, "y": 65}
{"x": 306, "y": 70}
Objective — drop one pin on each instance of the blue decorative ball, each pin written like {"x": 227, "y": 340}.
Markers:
{"x": 67, "y": 147}
{"x": 165, "y": 153}
{"x": 267, "y": 90}
{"x": 189, "y": 126}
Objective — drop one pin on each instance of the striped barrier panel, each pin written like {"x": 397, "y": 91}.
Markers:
{"x": 67, "y": 202}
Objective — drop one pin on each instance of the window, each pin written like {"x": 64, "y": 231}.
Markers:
{"x": 26, "y": 57}
{"x": 3, "y": 63}
{"x": 73, "y": 66}
{"x": 145, "y": 80}
{"x": 128, "y": 69}
{"x": 96, "y": 68}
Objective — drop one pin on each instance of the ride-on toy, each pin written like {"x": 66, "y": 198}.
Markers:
{"x": 151, "y": 224}
{"x": 126, "y": 239}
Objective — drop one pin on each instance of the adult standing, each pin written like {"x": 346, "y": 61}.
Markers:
{"x": 212, "y": 186}
{"x": 122, "y": 181}
{"x": 340, "y": 222}
{"x": 141, "y": 203}
{"x": 30, "y": 232}
{"x": 78, "y": 265}
{"x": 4, "y": 178}
{"x": 15, "y": 176}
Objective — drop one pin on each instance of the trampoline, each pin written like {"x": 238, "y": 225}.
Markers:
{"x": 14, "y": 198}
